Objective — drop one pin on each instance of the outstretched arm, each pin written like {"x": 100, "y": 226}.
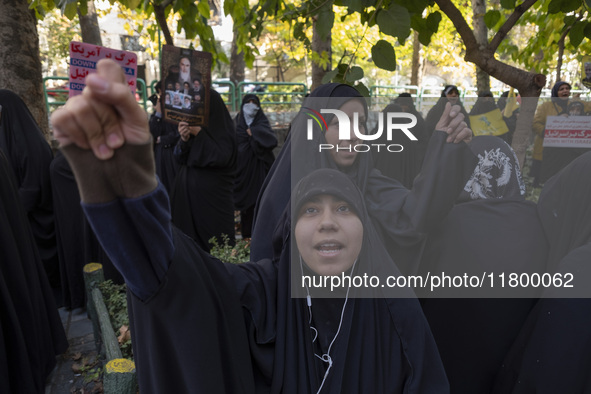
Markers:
{"x": 104, "y": 135}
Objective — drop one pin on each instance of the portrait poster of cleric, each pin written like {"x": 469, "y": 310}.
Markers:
{"x": 586, "y": 71}
{"x": 186, "y": 78}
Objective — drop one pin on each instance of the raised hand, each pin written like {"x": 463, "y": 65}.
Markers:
{"x": 452, "y": 122}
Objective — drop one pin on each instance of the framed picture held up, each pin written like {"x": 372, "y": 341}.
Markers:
{"x": 186, "y": 79}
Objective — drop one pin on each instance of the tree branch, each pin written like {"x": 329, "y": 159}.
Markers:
{"x": 159, "y": 13}
{"x": 456, "y": 17}
{"x": 509, "y": 23}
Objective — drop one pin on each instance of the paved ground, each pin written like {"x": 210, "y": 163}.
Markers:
{"x": 77, "y": 367}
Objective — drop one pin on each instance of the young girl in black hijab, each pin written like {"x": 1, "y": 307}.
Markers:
{"x": 203, "y": 326}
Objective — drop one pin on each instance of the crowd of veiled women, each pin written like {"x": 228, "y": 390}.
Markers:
{"x": 438, "y": 207}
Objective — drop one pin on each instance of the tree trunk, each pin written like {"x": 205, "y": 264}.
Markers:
{"x": 481, "y": 35}
{"x": 20, "y": 65}
{"x": 237, "y": 64}
{"x": 320, "y": 45}
{"x": 89, "y": 26}
{"x": 416, "y": 59}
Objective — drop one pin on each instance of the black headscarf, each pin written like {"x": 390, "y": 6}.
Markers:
{"x": 29, "y": 156}
{"x": 403, "y": 166}
{"x": 563, "y": 103}
{"x": 485, "y": 103}
{"x": 435, "y": 113}
{"x": 405, "y": 99}
{"x": 497, "y": 174}
{"x": 255, "y": 154}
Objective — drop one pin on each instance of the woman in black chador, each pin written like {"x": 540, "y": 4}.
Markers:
{"x": 553, "y": 351}
{"x": 202, "y": 197}
{"x": 203, "y": 326}
{"x": 475, "y": 331}
{"x": 449, "y": 94}
{"x": 31, "y": 331}
{"x": 166, "y": 136}
{"x": 29, "y": 156}
{"x": 256, "y": 140}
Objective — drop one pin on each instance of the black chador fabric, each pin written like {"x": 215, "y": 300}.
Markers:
{"x": 29, "y": 156}
{"x": 166, "y": 136}
{"x": 255, "y": 154}
{"x": 491, "y": 229}
{"x": 553, "y": 351}
{"x": 401, "y": 216}
{"x": 405, "y": 165}
{"x": 223, "y": 328}
{"x": 76, "y": 242}
{"x": 202, "y": 201}
{"x": 31, "y": 332}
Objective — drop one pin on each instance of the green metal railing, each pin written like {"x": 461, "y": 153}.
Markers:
{"x": 56, "y": 97}
{"x": 381, "y": 95}
{"x": 274, "y": 95}
{"x": 284, "y": 96}
{"x": 227, "y": 90}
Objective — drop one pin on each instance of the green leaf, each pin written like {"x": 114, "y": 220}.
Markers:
{"x": 508, "y": 4}
{"x": 342, "y": 68}
{"x": 324, "y": 23}
{"x": 569, "y": 20}
{"x": 491, "y": 18}
{"x": 71, "y": 11}
{"x": 362, "y": 89}
{"x": 554, "y": 6}
{"x": 570, "y": 5}
{"x": 329, "y": 76}
{"x": 354, "y": 5}
{"x": 425, "y": 37}
{"x": 577, "y": 33}
{"x": 133, "y": 4}
{"x": 418, "y": 23}
{"x": 587, "y": 30}
{"x": 298, "y": 31}
{"x": 415, "y": 6}
{"x": 433, "y": 21}
{"x": 394, "y": 21}
{"x": 383, "y": 55}
{"x": 203, "y": 8}
{"x": 355, "y": 73}
{"x": 83, "y": 6}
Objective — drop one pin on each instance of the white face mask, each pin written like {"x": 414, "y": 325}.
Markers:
{"x": 249, "y": 110}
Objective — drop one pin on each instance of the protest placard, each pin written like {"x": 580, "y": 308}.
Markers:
{"x": 568, "y": 132}
{"x": 489, "y": 123}
{"x": 83, "y": 60}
